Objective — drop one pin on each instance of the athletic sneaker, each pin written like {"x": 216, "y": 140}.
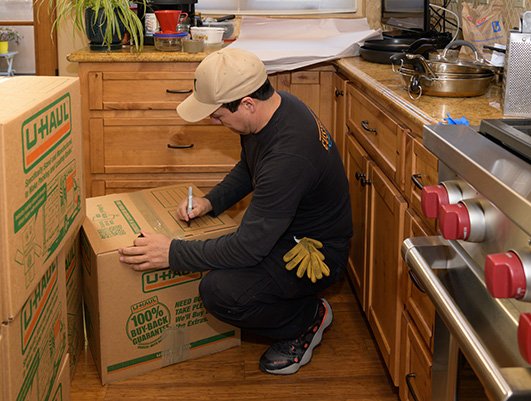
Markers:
{"x": 286, "y": 357}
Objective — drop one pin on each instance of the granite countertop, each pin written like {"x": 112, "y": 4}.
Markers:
{"x": 130, "y": 55}
{"x": 381, "y": 81}
{"x": 378, "y": 79}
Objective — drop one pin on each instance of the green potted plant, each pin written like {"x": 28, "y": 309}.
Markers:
{"x": 8, "y": 35}
{"x": 104, "y": 21}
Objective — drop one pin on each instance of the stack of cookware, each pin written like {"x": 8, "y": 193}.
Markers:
{"x": 382, "y": 50}
{"x": 442, "y": 77}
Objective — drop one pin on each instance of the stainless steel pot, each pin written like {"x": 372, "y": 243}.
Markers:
{"x": 444, "y": 78}
{"x": 445, "y": 85}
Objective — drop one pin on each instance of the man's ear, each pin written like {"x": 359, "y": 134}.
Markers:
{"x": 248, "y": 103}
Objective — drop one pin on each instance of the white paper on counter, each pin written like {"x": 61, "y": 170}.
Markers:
{"x": 287, "y": 44}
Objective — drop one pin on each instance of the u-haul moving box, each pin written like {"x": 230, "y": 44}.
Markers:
{"x": 141, "y": 321}
{"x": 61, "y": 388}
{"x": 35, "y": 341}
{"x": 41, "y": 183}
{"x": 70, "y": 261}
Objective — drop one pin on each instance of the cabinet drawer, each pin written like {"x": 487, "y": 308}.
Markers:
{"x": 138, "y": 148}
{"x": 381, "y": 136}
{"x": 418, "y": 304}
{"x": 416, "y": 362}
{"x": 421, "y": 166}
{"x": 139, "y": 90}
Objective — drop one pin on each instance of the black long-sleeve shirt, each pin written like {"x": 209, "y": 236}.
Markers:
{"x": 299, "y": 189}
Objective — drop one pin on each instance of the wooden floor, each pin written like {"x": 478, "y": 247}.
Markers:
{"x": 345, "y": 367}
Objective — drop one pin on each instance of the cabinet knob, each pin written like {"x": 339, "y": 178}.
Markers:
{"x": 339, "y": 92}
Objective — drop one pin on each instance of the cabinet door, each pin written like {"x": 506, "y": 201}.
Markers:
{"x": 421, "y": 169}
{"x": 415, "y": 369}
{"x": 417, "y": 303}
{"x": 339, "y": 125}
{"x": 386, "y": 233}
{"x": 356, "y": 166}
{"x": 382, "y": 137}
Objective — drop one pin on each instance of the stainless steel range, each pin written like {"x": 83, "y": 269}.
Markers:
{"x": 478, "y": 271}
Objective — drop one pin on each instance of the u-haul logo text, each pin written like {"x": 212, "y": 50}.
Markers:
{"x": 160, "y": 279}
{"x": 45, "y": 130}
{"x": 34, "y": 308}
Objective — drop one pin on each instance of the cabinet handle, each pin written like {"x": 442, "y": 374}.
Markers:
{"x": 339, "y": 93}
{"x": 358, "y": 175}
{"x": 179, "y": 91}
{"x": 416, "y": 178}
{"x": 410, "y": 376}
{"x": 364, "y": 181}
{"x": 416, "y": 281}
{"x": 365, "y": 126}
{"x": 173, "y": 146}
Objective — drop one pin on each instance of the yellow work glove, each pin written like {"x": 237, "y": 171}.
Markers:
{"x": 307, "y": 256}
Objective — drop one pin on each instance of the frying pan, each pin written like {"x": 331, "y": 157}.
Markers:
{"x": 381, "y": 51}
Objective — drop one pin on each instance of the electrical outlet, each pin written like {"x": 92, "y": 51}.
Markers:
{"x": 519, "y": 3}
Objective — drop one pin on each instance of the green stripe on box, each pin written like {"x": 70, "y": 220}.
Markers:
{"x": 212, "y": 339}
{"x": 131, "y": 362}
{"x": 128, "y": 216}
{"x": 157, "y": 355}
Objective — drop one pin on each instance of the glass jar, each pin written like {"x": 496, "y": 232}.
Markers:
{"x": 169, "y": 42}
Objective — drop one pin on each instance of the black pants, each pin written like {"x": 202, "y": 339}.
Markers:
{"x": 267, "y": 299}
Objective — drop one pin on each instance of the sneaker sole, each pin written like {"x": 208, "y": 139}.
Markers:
{"x": 316, "y": 340}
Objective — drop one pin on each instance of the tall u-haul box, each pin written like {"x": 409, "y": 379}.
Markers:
{"x": 141, "y": 321}
{"x": 41, "y": 180}
{"x": 35, "y": 342}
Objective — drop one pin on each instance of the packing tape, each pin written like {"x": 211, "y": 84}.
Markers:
{"x": 174, "y": 346}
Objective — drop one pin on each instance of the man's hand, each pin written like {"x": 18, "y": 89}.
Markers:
{"x": 149, "y": 251}
{"x": 200, "y": 207}
{"x": 310, "y": 260}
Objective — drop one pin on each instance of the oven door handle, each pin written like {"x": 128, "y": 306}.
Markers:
{"x": 423, "y": 255}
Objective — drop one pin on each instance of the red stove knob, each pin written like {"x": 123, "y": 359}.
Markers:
{"x": 505, "y": 275}
{"x": 454, "y": 221}
{"x": 431, "y": 198}
{"x": 524, "y": 336}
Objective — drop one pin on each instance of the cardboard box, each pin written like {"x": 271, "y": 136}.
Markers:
{"x": 141, "y": 321}
{"x": 61, "y": 388}
{"x": 35, "y": 342}
{"x": 41, "y": 184}
{"x": 70, "y": 261}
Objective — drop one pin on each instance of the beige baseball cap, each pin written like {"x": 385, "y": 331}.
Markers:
{"x": 222, "y": 77}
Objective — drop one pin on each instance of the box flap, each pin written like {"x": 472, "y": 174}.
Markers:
{"x": 114, "y": 221}
{"x": 25, "y": 92}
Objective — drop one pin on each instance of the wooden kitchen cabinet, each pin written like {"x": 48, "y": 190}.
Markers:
{"x": 385, "y": 225}
{"x": 417, "y": 304}
{"x": 421, "y": 169}
{"x": 381, "y": 141}
{"x": 416, "y": 362}
{"x": 338, "y": 130}
{"x": 134, "y": 139}
{"x": 357, "y": 169}
{"x": 313, "y": 86}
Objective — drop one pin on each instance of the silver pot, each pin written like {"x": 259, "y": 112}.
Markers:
{"x": 445, "y": 85}
{"x": 445, "y": 78}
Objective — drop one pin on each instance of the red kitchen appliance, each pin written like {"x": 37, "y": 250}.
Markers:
{"x": 477, "y": 272}
{"x": 169, "y": 19}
